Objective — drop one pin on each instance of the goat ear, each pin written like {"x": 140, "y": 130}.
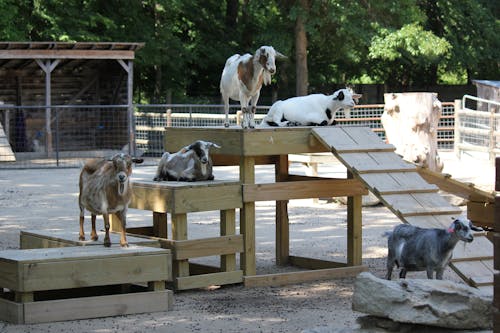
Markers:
{"x": 214, "y": 145}
{"x": 356, "y": 96}
{"x": 137, "y": 160}
{"x": 340, "y": 96}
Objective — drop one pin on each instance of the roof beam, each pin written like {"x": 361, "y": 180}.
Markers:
{"x": 66, "y": 54}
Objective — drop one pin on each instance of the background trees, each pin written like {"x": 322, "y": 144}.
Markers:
{"x": 402, "y": 44}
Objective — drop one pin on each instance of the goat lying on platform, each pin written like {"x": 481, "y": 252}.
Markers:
{"x": 310, "y": 110}
{"x": 242, "y": 79}
{"x": 191, "y": 163}
{"x": 105, "y": 188}
{"x": 417, "y": 249}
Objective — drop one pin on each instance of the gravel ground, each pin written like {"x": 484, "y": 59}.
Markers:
{"x": 46, "y": 199}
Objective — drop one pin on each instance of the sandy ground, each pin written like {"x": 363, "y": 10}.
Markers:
{"x": 46, "y": 199}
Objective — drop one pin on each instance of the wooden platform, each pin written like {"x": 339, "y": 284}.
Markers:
{"x": 401, "y": 188}
{"x": 45, "y": 285}
{"x": 36, "y": 239}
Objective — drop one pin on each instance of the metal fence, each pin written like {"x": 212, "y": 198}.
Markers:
{"x": 477, "y": 129}
{"x": 71, "y": 134}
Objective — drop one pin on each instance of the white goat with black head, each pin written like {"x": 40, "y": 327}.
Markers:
{"x": 310, "y": 110}
{"x": 105, "y": 188}
{"x": 191, "y": 163}
{"x": 243, "y": 77}
{"x": 418, "y": 249}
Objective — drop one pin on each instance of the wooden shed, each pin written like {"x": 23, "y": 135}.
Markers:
{"x": 67, "y": 96}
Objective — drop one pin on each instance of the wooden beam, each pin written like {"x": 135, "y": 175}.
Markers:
{"x": 66, "y": 54}
{"x": 303, "y": 190}
{"x": 280, "y": 279}
{"x": 208, "y": 246}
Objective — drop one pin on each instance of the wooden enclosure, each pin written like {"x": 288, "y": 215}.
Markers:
{"x": 245, "y": 149}
{"x": 47, "y": 74}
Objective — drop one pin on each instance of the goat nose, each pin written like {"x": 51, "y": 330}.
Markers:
{"x": 204, "y": 160}
{"x": 122, "y": 178}
{"x": 272, "y": 70}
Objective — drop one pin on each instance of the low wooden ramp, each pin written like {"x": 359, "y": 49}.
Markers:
{"x": 402, "y": 189}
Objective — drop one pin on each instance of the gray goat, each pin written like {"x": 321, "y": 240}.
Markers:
{"x": 105, "y": 189}
{"x": 417, "y": 249}
{"x": 191, "y": 163}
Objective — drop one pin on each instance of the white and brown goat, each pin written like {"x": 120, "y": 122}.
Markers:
{"x": 105, "y": 188}
{"x": 242, "y": 79}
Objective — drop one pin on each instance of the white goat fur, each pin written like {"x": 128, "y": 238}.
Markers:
{"x": 310, "y": 110}
{"x": 242, "y": 79}
{"x": 105, "y": 188}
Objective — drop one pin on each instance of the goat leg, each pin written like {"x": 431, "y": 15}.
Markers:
{"x": 107, "y": 241}
{"x": 430, "y": 274}
{"x": 251, "y": 115}
{"x": 93, "y": 234}
{"x": 402, "y": 273}
{"x": 82, "y": 234}
{"x": 121, "y": 215}
{"x": 244, "y": 122}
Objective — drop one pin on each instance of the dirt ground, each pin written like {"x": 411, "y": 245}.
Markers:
{"x": 46, "y": 199}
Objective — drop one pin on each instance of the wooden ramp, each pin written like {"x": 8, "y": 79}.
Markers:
{"x": 401, "y": 188}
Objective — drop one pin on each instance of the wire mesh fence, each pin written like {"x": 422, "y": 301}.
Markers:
{"x": 64, "y": 136}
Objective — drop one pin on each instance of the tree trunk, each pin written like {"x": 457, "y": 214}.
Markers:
{"x": 301, "y": 50}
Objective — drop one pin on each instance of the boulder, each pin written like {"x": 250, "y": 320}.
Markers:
{"x": 420, "y": 301}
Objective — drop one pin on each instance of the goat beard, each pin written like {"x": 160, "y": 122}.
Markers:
{"x": 122, "y": 188}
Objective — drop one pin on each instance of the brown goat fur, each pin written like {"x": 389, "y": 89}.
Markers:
{"x": 105, "y": 188}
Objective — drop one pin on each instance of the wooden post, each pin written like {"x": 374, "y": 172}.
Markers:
{"x": 169, "y": 117}
{"x": 354, "y": 228}
{"x": 228, "y": 227}
{"x": 282, "y": 222}
{"x": 160, "y": 225}
{"x": 179, "y": 232}
{"x": 247, "y": 219}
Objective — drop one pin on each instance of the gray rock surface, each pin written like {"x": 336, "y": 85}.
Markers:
{"x": 420, "y": 301}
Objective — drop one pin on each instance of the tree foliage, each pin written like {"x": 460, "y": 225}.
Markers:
{"x": 401, "y": 43}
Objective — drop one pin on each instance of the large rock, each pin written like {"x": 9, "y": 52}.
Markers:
{"x": 421, "y": 301}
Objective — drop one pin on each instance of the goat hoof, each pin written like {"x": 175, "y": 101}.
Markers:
{"x": 124, "y": 244}
{"x": 81, "y": 238}
{"x": 107, "y": 243}
{"x": 226, "y": 124}
{"x": 94, "y": 238}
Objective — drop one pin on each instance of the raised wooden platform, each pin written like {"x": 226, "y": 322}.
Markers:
{"x": 55, "y": 284}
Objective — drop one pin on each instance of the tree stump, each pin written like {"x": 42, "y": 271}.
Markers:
{"x": 410, "y": 121}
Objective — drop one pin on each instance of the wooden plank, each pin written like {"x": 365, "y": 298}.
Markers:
{"x": 179, "y": 233}
{"x": 99, "y": 306}
{"x": 376, "y": 161}
{"x": 247, "y": 219}
{"x": 33, "y": 239}
{"x": 208, "y": 247}
{"x": 395, "y": 181}
{"x": 433, "y": 221}
{"x": 354, "y": 230}
{"x": 450, "y": 185}
{"x": 418, "y": 204}
{"x": 280, "y": 279}
{"x": 351, "y": 139}
{"x": 282, "y": 233}
{"x": 66, "y": 54}
{"x": 314, "y": 264}
{"x": 301, "y": 190}
{"x": 228, "y": 228}
{"x": 207, "y": 280}
{"x": 11, "y": 312}
{"x": 205, "y": 198}
{"x": 481, "y": 213}
{"x": 476, "y": 273}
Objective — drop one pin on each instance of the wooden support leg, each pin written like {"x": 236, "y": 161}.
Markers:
{"x": 247, "y": 219}
{"x": 228, "y": 227}
{"x": 156, "y": 285}
{"x": 160, "y": 222}
{"x": 354, "y": 230}
{"x": 282, "y": 222}
{"x": 114, "y": 223}
{"x": 24, "y": 297}
{"x": 179, "y": 232}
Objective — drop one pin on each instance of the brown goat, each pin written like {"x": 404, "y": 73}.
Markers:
{"x": 105, "y": 189}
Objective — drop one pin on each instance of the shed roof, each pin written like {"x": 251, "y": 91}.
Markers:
{"x": 491, "y": 83}
{"x": 21, "y": 55}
